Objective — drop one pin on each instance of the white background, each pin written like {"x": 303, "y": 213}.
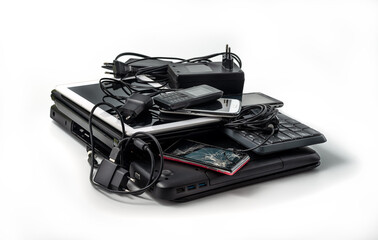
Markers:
{"x": 319, "y": 57}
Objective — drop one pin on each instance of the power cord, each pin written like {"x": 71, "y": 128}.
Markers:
{"x": 144, "y": 77}
{"x": 111, "y": 175}
{"x": 132, "y": 70}
{"x": 257, "y": 118}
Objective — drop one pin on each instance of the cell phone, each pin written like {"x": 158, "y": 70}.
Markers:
{"x": 257, "y": 98}
{"x": 206, "y": 156}
{"x": 223, "y": 107}
{"x": 187, "y": 97}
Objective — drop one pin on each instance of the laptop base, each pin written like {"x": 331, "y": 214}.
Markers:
{"x": 181, "y": 182}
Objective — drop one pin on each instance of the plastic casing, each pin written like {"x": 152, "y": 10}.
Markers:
{"x": 182, "y": 182}
{"x": 212, "y": 73}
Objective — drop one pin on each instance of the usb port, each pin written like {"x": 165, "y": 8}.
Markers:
{"x": 191, "y": 187}
{"x": 202, "y": 184}
{"x": 180, "y": 190}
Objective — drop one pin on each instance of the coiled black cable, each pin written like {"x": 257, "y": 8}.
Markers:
{"x": 256, "y": 118}
{"x": 156, "y": 74}
{"x": 123, "y": 144}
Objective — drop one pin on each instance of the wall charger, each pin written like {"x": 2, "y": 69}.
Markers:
{"x": 184, "y": 75}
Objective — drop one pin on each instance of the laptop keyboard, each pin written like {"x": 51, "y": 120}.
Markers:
{"x": 291, "y": 134}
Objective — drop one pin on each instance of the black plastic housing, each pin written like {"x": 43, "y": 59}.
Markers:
{"x": 105, "y": 173}
{"x": 120, "y": 69}
{"x": 135, "y": 104}
{"x": 188, "y": 97}
{"x": 182, "y": 182}
{"x": 137, "y": 63}
{"x": 120, "y": 179}
{"x": 230, "y": 81}
{"x": 111, "y": 176}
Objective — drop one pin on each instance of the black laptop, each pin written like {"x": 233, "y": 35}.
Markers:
{"x": 182, "y": 182}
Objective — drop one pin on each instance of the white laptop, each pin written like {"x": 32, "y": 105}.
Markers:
{"x": 85, "y": 95}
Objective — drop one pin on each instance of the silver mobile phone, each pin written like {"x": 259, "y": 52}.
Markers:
{"x": 256, "y": 98}
{"x": 223, "y": 107}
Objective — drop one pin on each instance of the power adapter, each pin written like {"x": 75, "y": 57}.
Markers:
{"x": 225, "y": 75}
{"x": 110, "y": 176}
{"x": 138, "y": 63}
{"x": 119, "y": 69}
{"x": 135, "y": 104}
{"x": 230, "y": 81}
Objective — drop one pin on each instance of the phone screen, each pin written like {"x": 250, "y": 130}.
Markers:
{"x": 207, "y": 156}
{"x": 250, "y": 99}
{"x": 222, "y": 105}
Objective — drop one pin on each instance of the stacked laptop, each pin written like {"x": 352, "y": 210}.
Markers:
{"x": 193, "y": 133}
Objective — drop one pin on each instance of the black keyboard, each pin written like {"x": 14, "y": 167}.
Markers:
{"x": 291, "y": 134}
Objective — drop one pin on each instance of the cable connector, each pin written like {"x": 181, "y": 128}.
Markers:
{"x": 111, "y": 176}
{"x": 227, "y": 60}
{"x": 120, "y": 69}
{"x": 140, "y": 144}
{"x": 114, "y": 154}
{"x": 135, "y": 104}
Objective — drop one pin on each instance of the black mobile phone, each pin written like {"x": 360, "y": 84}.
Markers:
{"x": 187, "y": 97}
{"x": 257, "y": 98}
{"x": 207, "y": 156}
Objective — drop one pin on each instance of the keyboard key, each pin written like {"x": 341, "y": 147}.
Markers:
{"x": 258, "y": 140}
{"x": 287, "y": 125}
{"x": 262, "y": 136}
{"x": 274, "y": 139}
{"x": 304, "y": 134}
{"x": 250, "y": 136}
{"x": 293, "y": 121}
{"x": 295, "y": 129}
{"x": 301, "y": 125}
{"x": 282, "y": 136}
{"x": 291, "y": 134}
{"x": 244, "y": 133}
{"x": 283, "y": 129}
{"x": 270, "y": 141}
{"x": 311, "y": 131}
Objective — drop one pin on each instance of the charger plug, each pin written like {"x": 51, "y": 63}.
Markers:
{"x": 135, "y": 104}
{"x": 227, "y": 60}
{"x": 120, "y": 69}
{"x": 123, "y": 69}
{"x": 111, "y": 176}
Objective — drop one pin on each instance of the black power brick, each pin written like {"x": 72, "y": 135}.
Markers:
{"x": 135, "y": 104}
{"x": 225, "y": 75}
{"x": 142, "y": 63}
